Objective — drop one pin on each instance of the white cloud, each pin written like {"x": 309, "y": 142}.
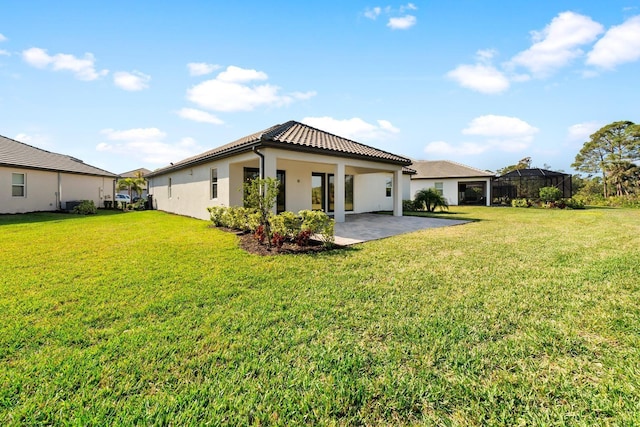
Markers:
{"x": 402, "y": 23}
{"x": 619, "y": 45}
{"x": 582, "y": 131}
{"x": 199, "y": 116}
{"x": 134, "y": 134}
{"x": 2, "y": 38}
{"x": 201, "y": 68}
{"x": 133, "y": 81}
{"x": 408, "y": 6}
{"x": 147, "y": 145}
{"x": 498, "y": 133}
{"x": 354, "y": 128}
{"x": 558, "y": 43}
{"x": 442, "y": 148}
{"x": 82, "y": 68}
{"x": 481, "y": 78}
{"x": 373, "y": 13}
{"x": 231, "y": 91}
{"x": 503, "y": 132}
{"x": 395, "y": 22}
{"x": 235, "y": 74}
{"x": 37, "y": 140}
{"x": 4, "y": 53}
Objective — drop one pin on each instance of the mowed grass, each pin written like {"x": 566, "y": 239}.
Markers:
{"x": 525, "y": 317}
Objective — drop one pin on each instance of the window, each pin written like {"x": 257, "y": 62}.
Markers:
{"x": 169, "y": 187}
{"x": 348, "y": 193}
{"x": 18, "y": 185}
{"x": 254, "y": 173}
{"x": 214, "y": 183}
{"x": 388, "y": 187}
{"x": 439, "y": 188}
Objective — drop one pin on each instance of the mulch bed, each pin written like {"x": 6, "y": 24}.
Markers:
{"x": 249, "y": 243}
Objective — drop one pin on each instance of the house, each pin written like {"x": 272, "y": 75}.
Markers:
{"x": 317, "y": 170}
{"x": 32, "y": 179}
{"x": 140, "y": 172}
{"x": 459, "y": 184}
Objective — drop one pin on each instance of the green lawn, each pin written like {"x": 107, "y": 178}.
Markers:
{"x": 525, "y": 317}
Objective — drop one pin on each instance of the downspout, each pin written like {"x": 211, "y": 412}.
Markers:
{"x": 255, "y": 150}
{"x": 59, "y": 201}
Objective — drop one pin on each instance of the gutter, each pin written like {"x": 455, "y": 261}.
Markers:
{"x": 255, "y": 150}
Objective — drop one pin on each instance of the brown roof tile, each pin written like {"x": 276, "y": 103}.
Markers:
{"x": 18, "y": 154}
{"x": 292, "y": 135}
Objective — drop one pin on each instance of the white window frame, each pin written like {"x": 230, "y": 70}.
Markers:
{"x": 389, "y": 187}
{"x": 23, "y": 186}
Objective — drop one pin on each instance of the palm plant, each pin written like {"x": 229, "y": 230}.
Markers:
{"x": 429, "y": 199}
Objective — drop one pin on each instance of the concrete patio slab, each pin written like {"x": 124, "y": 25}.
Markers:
{"x": 359, "y": 228}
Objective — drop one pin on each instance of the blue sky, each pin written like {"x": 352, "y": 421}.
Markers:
{"x": 123, "y": 84}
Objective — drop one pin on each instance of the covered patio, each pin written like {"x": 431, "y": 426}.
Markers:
{"x": 359, "y": 228}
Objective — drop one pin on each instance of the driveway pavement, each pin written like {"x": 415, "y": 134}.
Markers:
{"x": 359, "y": 228}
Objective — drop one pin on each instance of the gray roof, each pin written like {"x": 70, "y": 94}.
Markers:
{"x": 433, "y": 169}
{"x": 133, "y": 174}
{"x": 18, "y": 154}
{"x": 295, "y": 136}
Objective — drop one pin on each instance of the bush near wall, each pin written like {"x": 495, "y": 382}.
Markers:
{"x": 297, "y": 228}
{"x": 86, "y": 207}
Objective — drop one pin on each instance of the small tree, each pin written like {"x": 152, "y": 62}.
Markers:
{"x": 261, "y": 195}
{"x": 429, "y": 199}
{"x": 135, "y": 184}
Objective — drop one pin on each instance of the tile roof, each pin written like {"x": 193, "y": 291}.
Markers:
{"x": 18, "y": 154}
{"x": 133, "y": 174}
{"x": 297, "y": 136}
{"x": 430, "y": 169}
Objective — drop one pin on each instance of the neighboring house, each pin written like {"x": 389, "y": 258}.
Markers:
{"x": 459, "y": 184}
{"x": 32, "y": 179}
{"x": 142, "y": 172}
{"x": 318, "y": 170}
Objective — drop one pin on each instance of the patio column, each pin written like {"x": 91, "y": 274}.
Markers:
{"x": 397, "y": 192}
{"x": 270, "y": 168}
{"x": 338, "y": 199}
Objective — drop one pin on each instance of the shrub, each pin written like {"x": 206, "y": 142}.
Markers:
{"x": 408, "y": 206}
{"x": 86, "y": 207}
{"x": 520, "y": 203}
{"x": 259, "y": 234}
{"x": 430, "y": 200}
{"x": 550, "y": 194}
{"x": 277, "y": 239}
{"x": 302, "y": 239}
{"x": 286, "y": 224}
{"x": 574, "y": 203}
{"x": 318, "y": 223}
{"x": 216, "y": 213}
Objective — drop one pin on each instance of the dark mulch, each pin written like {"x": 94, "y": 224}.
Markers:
{"x": 249, "y": 243}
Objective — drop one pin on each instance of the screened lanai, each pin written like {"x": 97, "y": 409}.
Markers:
{"x": 526, "y": 184}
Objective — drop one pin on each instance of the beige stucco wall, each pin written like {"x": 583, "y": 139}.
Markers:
{"x": 42, "y": 189}
{"x": 190, "y": 193}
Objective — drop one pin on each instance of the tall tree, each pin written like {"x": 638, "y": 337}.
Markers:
{"x": 612, "y": 152}
{"x": 522, "y": 164}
